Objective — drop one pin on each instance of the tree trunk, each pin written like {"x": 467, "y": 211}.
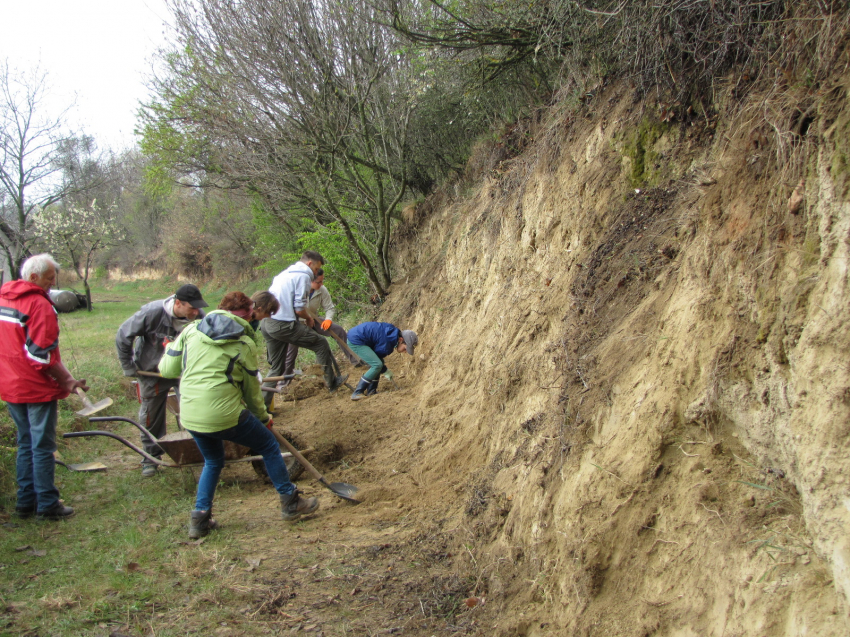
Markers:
{"x": 88, "y": 294}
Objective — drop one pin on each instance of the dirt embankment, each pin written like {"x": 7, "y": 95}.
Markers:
{"x": 628, "y": 414}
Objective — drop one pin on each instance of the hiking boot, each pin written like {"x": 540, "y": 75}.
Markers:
{"x": 201, "y": 523}
{"x": 337, "y": 383}
{"x": 293, "y": 506}
{"x": 149, "y": 470}
{"x": 361, "y": 390}
{"x": 57, "y": 512}
{"x": 24, "y": 513}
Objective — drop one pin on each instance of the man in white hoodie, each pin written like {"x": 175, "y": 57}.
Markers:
{"x": 283, "y": 330}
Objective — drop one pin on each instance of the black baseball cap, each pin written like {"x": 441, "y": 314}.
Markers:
{"x": 192, "y": 295}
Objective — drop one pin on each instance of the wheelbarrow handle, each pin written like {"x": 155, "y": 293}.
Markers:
{"x": 109, "y": 434}
{"x": 144, "y": 431}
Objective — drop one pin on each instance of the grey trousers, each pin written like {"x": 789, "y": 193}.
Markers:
{"x": 152, "y": 413}
{"x": 339, "y": 330}
{"x": 281, "y": 336}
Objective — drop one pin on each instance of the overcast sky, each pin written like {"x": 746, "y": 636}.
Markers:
{"x": 96, "y": 54}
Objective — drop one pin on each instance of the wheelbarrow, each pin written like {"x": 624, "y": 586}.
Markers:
{"x": 181, "y": 448}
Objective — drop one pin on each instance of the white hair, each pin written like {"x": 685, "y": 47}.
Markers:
{"x": 38, "y": 264}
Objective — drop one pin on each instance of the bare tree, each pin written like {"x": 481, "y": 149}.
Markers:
{"x": 30, "y": 140}
{"x": 306, "y": 106}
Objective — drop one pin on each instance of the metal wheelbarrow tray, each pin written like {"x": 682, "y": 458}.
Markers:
{"x": 179, "y": 446}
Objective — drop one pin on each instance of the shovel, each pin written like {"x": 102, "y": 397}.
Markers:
{"x": 339, "y": 489}
{"x": 84, "y": 466}
{"x": 90, "y": 408}
{"x": 344, "y": 346}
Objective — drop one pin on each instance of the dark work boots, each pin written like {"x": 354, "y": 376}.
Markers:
{"x": 57, "y": 512}
{"x": 372, "y": 389}
{"x": 361, "y": 389}
{"x": 201, "y": 523}
{"x": 293, "y": 506}
{"x": 24, "y": 512}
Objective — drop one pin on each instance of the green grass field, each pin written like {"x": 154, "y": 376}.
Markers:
{"x": 122, "y": 561}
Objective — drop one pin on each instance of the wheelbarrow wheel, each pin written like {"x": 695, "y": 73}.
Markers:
{"x": 294, "y": 468}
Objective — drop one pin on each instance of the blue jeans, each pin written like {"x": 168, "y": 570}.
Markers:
{"x": 36, "y": 423}
{"x": 250, "y": 432}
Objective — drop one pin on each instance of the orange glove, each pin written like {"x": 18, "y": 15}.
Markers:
{"x": 270, "y": 423}
{"x": 326, "y": 324}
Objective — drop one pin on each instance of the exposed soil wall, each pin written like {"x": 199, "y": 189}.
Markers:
{"x": 632, "y": 414}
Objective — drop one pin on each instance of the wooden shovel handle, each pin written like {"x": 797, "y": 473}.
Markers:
{"x": 84, "y": 398}
{"x": 310, "y": 468}
{"x": 345, "y": 346}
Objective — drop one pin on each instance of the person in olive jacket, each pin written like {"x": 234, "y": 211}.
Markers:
{"x": 220, "y": 399}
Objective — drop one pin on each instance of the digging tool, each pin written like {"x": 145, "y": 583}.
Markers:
{"x": 339, "y": 489}
{"x": 339, "y": 373}
{"x": 84, "y": 466}
{"x": 151, "y": 374}
{"x": 90, "y": 408}
{"x": 274, "y": 379}
{"x": 346, "y": 348}
{"x": 392, "y": 380}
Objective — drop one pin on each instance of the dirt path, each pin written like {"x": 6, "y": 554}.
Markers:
{"x": 381, "y": 567}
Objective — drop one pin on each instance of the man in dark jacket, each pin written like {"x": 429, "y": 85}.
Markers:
{"x": 373, "y": 342}
{"x": 141, "y": 341}
{"x": 34, "y": 379}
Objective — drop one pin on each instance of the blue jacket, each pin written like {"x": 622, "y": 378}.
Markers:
{"x": 381, "y": 337}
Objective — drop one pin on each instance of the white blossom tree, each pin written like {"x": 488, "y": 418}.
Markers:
{"x": 76, "y": 234}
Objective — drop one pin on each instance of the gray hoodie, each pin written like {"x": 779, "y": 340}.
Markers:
{"x": 140, "y": 340}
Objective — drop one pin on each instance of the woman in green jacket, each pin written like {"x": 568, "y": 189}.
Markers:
{"x": 216, "y": 361}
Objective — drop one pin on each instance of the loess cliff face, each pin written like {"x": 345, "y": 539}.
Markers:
{"x": 633, "y": 379}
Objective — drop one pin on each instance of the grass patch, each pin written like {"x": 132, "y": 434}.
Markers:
{"x": 122, "y": 563}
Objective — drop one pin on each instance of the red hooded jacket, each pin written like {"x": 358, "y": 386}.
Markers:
{"x": 29, "y": 344}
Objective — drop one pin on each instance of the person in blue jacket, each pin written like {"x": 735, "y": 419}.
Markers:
{"x": 373, "y": 342}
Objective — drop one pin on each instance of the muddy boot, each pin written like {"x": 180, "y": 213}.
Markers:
{"x": 337, "y": 383}
{"x": 372, "y": 389}
{"x": 201, "y": 523}
{"x": 293, "y": 506}
{"x": 362, "y": 388}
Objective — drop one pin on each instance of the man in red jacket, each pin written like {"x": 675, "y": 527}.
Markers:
{"x": 34, "y": 378}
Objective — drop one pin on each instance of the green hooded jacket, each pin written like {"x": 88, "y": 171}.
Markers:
{"x": 216, "y": 361}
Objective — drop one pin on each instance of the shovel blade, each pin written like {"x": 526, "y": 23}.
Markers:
{"x": 98, "y": 406}
{"x": 345, "y": 491}
{"x": 84, "y": 466}
{"x": 88, "y": 466}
